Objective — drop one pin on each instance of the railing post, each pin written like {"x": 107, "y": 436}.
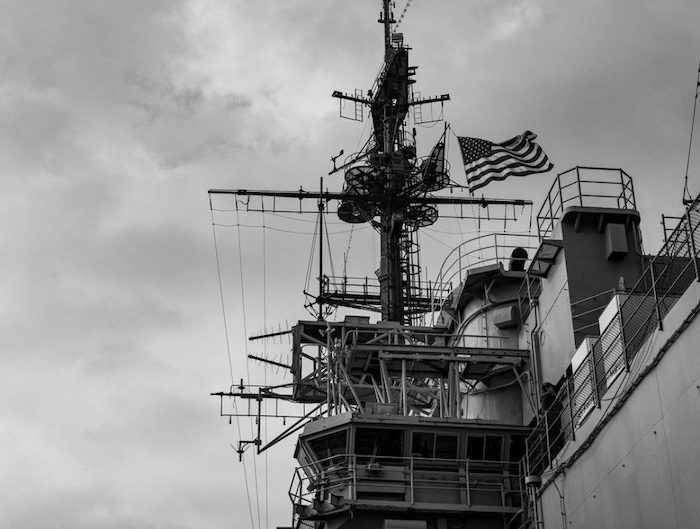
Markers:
{"x": 623, "y": 342}
{"x": 459, "y": 262}
{"x": 691, "y": 243}
{"x": 594, "y": 377}
{"x": 495, "y": 246}
{"x": 353, "y": 493}
{"x": 469, "y": 496}
{"x": 503, "y": 504}
{"x": 412, "y": 486}
{"x": 551, "y": 212}
{"x": 624, "y": 190}
{"x": 656, "y": 298}
{"x": 580, "y": 191}
{"x": 404, "y": 393}
{"x": 546, "y": 438}
{"x": 633, "y": 200}
{"x": 567, "y": 381}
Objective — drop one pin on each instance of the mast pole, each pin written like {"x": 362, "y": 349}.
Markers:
{"x": 387, "y": 27}
{"x": 320, "y": 251}
{"x": 391, "y": 105}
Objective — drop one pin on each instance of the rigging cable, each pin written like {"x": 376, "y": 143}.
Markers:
{"x": 403, "y": 13}
{"x": 247, "y": 367}
{"x": 328, "y": 246}
{"x": 279, "y": 229}
{"x": 690, "y": 144}
{"x": 228, "y": 349}
{"x": 264, "y": 272}
{"x": 436, "y": 239}
{"x": 310, "y": 265}
{"x": 221, "y": 293}
{"x": 347, "y": 252}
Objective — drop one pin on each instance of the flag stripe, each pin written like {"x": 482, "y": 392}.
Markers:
{"x": 485, "y": 161}
{"x": 544, "y": 167}
{"x": 501, "y": 160}
{"x": 510, "y": 169}
{"x": 526, "y": 157}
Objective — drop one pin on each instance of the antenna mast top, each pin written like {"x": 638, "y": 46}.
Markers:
{"x": 386, "y": 18}
{"x": 389, "y": 187}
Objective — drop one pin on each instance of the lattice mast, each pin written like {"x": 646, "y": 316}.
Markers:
{"x": 389, "y": 187}
{"x": 386, "y": 184}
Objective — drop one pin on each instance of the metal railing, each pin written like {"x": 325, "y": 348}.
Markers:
{"x": 489, "y": 249}
{"x": 585, "y": 309}
{"x": 351, "y": 478}
{"x": 369, "y": 288}
{"x": 640, "y": 312}
{"x": 585, "y": 186}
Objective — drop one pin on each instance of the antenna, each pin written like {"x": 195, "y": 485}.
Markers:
{"x": 386, "y": 17}
{"x": 388, "y": 187}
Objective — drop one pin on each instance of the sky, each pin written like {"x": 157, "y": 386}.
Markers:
{"x": 118, "y": 319}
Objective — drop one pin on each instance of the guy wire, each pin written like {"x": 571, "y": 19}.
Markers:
{"x": 230, "y": 364}
{"x": 245, "y": 342}
{"x": 686, "y": 191}
{"x": 264, "y": 271}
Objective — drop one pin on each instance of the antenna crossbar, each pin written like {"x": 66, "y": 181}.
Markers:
{"x": 329, "y": 195}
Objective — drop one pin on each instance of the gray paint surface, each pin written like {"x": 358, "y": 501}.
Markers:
{"x": 642, "y": 470}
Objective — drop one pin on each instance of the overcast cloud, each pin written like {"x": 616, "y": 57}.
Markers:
{"x": 115, "y": 120}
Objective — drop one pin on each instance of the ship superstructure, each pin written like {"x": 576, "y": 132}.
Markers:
{"x": 474, "y": 392}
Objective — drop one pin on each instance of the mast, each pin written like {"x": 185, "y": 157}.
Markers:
{"x": 386, "y": 20}
{"x": 320, "y": 249}
{"x": 387, "y": 186}
{"x": 398, "y": 362}
{"x": 393, "y": 157}
{"x": 391, "y": 104}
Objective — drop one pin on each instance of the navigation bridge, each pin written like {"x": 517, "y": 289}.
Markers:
{"x": 419, "y": 468}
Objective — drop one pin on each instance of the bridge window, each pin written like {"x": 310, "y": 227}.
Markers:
{"x": 330, "y": 447}
{"x": 432, "y": 445}
{"x": 379, "y": 442}
{"x": 485, "y": 447}
{"x": 517, "y": 447}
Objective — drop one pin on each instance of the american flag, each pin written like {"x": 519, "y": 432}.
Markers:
{"x": 485, "y": 161}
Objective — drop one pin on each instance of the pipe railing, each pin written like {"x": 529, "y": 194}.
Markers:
{"x": 640, "y": 312}
{"x": 488, "y": 249}
{"x": 585, "y": 186}
{"x": 348, "y": 478}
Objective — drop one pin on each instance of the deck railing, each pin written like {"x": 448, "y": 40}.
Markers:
{"x": 585, "y": 186}
{"x": 455, "y": 484}
{"x": 583, "y": 309}
{"x": 489, "y": 249}
{"x": 640, "y": 312}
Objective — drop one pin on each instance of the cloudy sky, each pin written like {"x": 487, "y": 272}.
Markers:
{"x": 115, "y": 120}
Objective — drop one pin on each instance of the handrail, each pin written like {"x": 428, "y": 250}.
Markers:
{"x": 606, "y": 187}
{"x": 348, "y": 285}
{"x": 663, "y": 282}
{"x": 590, "y": 305}
{"x": 347, "y": 474}
{"x": 492, "y": 248}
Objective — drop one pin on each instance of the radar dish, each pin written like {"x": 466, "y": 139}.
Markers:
{"x": 350, "y": 211}
{"x": 420, "y": 215}
{"x": 360, "y": 176}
